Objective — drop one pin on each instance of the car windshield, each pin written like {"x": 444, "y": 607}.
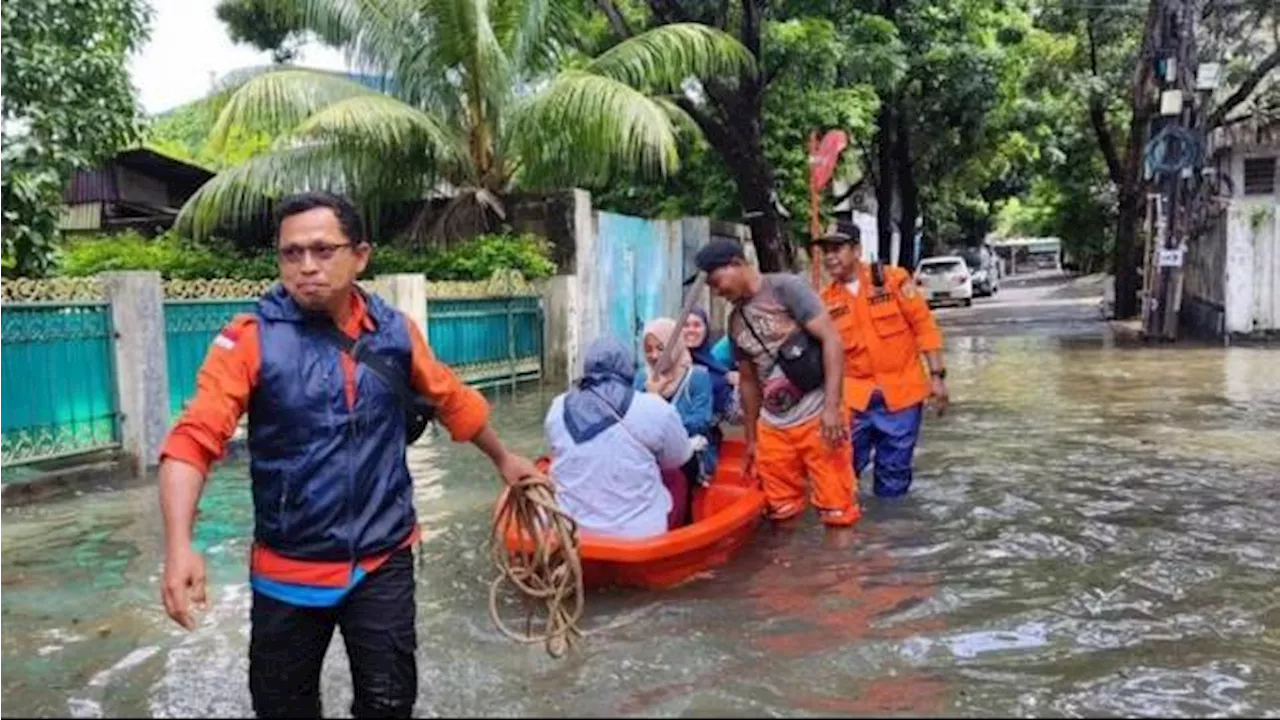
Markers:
{"x": 940, "y": 267}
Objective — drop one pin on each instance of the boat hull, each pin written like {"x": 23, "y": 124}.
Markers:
{"x": 726, "y": 514}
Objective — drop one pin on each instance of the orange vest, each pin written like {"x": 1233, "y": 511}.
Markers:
{"x": 880, "y": 344}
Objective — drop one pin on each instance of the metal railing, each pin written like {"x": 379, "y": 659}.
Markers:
{"x": 58, "y": 373}
{"x": 189, "y": 328}
{"x": 488, "y": 341}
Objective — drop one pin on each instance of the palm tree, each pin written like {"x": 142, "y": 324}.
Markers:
{"x": 483, "y": 96}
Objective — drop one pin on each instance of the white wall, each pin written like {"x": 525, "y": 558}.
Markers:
{"x": 1253, "y": 254}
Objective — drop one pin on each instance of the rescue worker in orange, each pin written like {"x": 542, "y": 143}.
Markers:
{"x": 789, "y": 359}
{"x": 886, "y": 326}
{"x": 329, "y": 420}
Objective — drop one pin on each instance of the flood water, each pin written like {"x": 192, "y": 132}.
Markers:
{"x": 1093, "y": 531}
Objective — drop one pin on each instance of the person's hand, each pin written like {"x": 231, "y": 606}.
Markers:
{"x": 183, "y": 584}
{"x": 834, "y": 430}
{"x": 513, "y": 468}
{"x": 654, "y": 383}
{"x": 698, "y": 442}
{"x": 732, "y": 377}
{"x": 749, "y": 459}
{"x": 938, "y": 393}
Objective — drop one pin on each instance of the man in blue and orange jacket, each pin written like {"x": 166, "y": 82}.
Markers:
{"x": 334, "y": 522}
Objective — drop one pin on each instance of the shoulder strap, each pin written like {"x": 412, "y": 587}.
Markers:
{"x": 381, "y": 366}
{"x": 877, "y": 274}
{"x": 756, "y": 335}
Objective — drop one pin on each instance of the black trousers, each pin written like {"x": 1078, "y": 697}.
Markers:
{"x": 288, "y": 643}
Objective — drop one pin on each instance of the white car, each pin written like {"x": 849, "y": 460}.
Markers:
{"x": 945, "y": 279}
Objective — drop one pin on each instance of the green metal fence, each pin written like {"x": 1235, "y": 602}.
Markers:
{"x": 58, "y": 373}
{"x": 488, "y": 341}
{"x": 189, "y": 328}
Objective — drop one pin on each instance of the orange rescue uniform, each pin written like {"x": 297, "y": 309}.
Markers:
{"x": 884, "y": 332}
{"x": 785, "y": 456}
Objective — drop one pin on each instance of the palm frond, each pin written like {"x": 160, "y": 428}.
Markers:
{"x": 386, "y": 126}
{"x": 371, "y": 32}
{"x": 662, "y": 58}
{"x": 280, "y": 100}
{"x": 685, "y": 124}
{"x": 239, "y": 196}
{"x": 385, "y": 37}
{"x": 587, "y": 128}
{"x": 531, "y": 31}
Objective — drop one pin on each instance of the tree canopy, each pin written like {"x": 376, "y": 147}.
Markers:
{"x": 67, "y": 105}
{"x": 477, "y": 98}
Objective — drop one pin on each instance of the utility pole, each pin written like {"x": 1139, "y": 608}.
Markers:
{"x": 1176, "y": 149}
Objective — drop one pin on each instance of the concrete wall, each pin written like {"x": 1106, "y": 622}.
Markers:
{"x": 643, "y": 273}
{"x": 1204, "y": 284}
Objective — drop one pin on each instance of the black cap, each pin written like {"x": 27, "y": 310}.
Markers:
{"x": 840, "y": 233}
{"x": 718, "y": 253}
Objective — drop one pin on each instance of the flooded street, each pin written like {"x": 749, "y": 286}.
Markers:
{"x": 1093, "y": 530}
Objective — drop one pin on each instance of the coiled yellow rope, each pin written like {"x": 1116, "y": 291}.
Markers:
{"x": 549, "y": 575}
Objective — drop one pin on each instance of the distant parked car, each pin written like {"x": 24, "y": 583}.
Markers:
{"x": 945, "y": 279}
{"x": 984, "y": 268}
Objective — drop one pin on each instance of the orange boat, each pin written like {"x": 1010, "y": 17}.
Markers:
{"x": 725, "y": 514}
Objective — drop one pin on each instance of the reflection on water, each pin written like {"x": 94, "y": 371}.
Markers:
{"x": 1092, "y": 532}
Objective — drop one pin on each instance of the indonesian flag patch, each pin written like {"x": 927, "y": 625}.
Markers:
{"x": 227, "y": 339}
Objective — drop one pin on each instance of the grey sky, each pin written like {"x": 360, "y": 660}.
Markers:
{"x": 187, "y": 44}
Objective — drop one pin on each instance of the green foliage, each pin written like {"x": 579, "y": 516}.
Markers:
{"x": 808, "y": 57}
{"x": 486, "y": 97}
{"x": 270, "y": 25}
{"x": 175, "y": 257}
{"x": 184, "y": 133}
{"x": 171, "y": 256}
{"x": 476, "y": 259}
{"x": 67, "y": 105}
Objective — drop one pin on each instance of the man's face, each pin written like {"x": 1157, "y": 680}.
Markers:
{"x": 318, "y": 262}
{"x": 730, "y": 282}
{"x": 841, "y": 260}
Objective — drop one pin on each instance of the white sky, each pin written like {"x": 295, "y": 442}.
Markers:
{"x": 187, "y": 43}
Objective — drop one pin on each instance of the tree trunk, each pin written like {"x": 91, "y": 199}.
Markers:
{"x": 1127, "y": 255}
{"x": 754, "y": 179}
{"x": 1126, "y": 258}
{"x": 909, "y": 191}
{"x": 886, "y": 180}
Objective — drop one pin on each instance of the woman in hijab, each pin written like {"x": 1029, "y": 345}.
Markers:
{"x": 713, "y": 354}
{"x": 687, "y": 387}
{"x": 610, "y": 445}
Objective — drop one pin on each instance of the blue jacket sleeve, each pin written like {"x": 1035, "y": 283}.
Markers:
{"x": 697, "y": 406}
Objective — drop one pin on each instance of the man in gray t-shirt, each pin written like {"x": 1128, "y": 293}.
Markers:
{"x": 790, "y": 433}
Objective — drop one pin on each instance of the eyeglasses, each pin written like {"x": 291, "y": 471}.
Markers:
{"x": 320, "y": 251}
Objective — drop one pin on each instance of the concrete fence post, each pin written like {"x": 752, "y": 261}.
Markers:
{"x": 586, "y": 293}
{"x": 560, "y": 329}
{"x": 406, "y": 292}
{"x": 142, "y": 368}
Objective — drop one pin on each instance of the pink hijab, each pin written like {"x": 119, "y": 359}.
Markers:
{"x": 663, "y": 329}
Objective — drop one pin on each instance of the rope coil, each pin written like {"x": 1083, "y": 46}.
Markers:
{"x": 549, "y": 575}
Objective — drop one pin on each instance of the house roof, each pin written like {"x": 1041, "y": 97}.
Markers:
{"x": 99, "y": 184}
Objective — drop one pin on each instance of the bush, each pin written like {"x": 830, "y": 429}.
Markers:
{"x": 174, "y": 257}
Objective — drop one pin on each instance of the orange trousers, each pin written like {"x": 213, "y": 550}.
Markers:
{"x": 784, "y": 457}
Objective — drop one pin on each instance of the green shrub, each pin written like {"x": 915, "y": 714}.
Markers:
{"x": 476, "y": 259}
{"x": 174, "y": 257}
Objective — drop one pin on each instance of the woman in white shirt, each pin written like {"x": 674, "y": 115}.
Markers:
{"x": 610, "y": 444}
